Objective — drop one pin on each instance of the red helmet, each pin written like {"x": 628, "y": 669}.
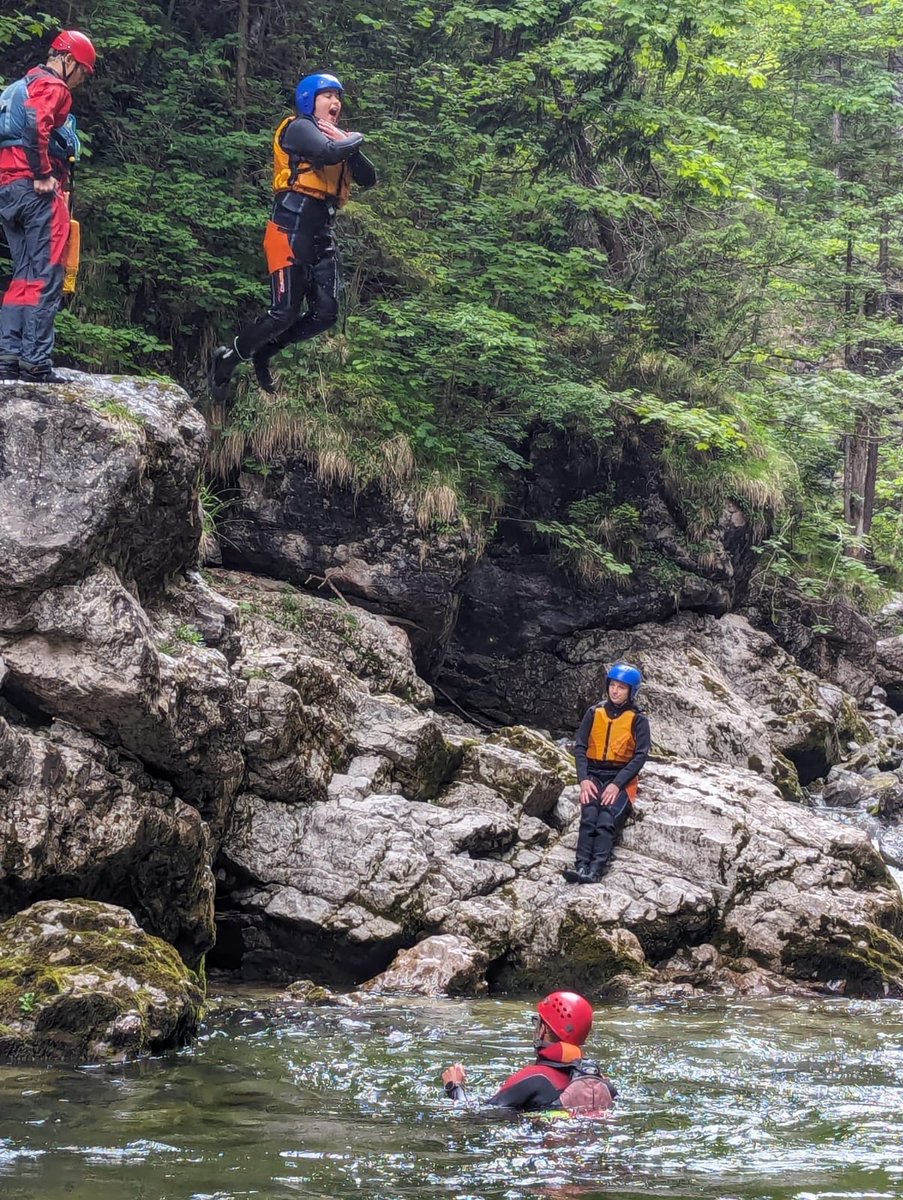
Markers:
{"x": 568, "y": 1015}
{"x": 70, "y": 41}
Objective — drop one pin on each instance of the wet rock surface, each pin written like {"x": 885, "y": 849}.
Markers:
{"x": 80, "y": 981}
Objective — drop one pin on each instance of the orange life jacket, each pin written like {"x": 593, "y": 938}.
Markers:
{"x": 611, "y": 741}
{"x": 324, "y": 183}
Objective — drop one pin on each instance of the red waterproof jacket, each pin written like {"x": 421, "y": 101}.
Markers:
{"x": 47, "y": 106}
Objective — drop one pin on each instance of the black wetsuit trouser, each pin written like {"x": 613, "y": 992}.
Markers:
{"x": 303, "y": 261}
{"x": 600, "y": 826}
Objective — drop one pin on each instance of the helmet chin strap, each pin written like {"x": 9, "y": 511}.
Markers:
{"x": 67, "y": 75}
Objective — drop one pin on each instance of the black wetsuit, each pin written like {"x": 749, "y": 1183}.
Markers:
{"x": 532, "y": 1089}
{"x": 305, "y": 268}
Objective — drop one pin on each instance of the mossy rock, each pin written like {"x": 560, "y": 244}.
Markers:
{"x": 530, "y": 741}
{"x": 81, "y": 982}
{"x": 868, "y": 960}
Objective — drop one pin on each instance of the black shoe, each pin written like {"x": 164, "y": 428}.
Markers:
{"x": 9, "y": 370}
{"x": 30, "y": 374}
{"x": 261, "y": 364}
{"x": 225, "y": 360}
{"x": 575, "y": 874}
{"x": 594, "y": 872}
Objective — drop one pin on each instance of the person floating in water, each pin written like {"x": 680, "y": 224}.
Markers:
{"x": 560, "y": 1078}
{"x": 314, "y": 166}
{"x": 611, "y": 748}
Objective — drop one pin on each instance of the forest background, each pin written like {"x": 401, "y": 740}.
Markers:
{"x": 610, "y": 219}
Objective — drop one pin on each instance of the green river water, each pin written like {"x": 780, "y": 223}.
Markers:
{"x": 795, "y": 1099}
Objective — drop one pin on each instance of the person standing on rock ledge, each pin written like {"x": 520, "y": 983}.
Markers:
{"x": 560, "y": 1078}
{"x": 611, "y": 748}
{"x": 37, "y": 145}
{"x": 314, "y": 166}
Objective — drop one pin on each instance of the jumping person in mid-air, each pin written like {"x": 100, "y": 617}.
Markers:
{"x": 314, "y": 165}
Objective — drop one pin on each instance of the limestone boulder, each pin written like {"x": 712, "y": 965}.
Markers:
{"x": 889, "y": 670}
{"x": 191, "y": 607}
{"x": 88, "y": 547}
{"x": 297, "y": 734}
{"x": 713, "y": 855}
{"x": 81, "y": 982}
{"x": 78, "y": 819}
{"x": 364, "y": 775}
{"x": 92, "y": 472}
{"x": 524, "y": 783}
{"x": 444, "y": 965}
{"x": 716, "y": 688}
{"x": 421, "y": 758}
{"x": 90, "y": 657}
{"x": 804, "y": 896}
{"x": 828, "y": 637}
{"x": 279, "y": 618}
{"x": 334, "y": 889}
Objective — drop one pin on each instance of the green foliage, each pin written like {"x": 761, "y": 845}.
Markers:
{"x": 190, "y": 635}
{"x": 27, "y": 1003}
{"x": 580, "y": 553}
{"x": 604, "y": 222}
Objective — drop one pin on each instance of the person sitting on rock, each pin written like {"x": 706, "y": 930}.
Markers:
{"x": 611, "y": 748}
{"x": 315, "y": 164}
{"x": 560, "y": 1078}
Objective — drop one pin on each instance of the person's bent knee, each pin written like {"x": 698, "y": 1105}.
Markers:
{"x": 282, "y": 319}
{"x": 325, "y": 317}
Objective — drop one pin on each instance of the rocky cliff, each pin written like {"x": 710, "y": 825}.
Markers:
{"x": 257, "y": 774}
{"x": 499, "y": 614}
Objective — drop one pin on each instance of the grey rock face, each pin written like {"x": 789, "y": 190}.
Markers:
{"x": 276, "y": 618}
{"x": 369, "y": 547}
{"x": 715, "y": 688}
{"x": 90, "y": 657}
{"x": 79, "y": 819}
{"x": 81, "y": 982}
{"x": 889, "y": 671}
{"x": 337, "y": 889}
{"x": 99, "y": 520}
{"x": 830, "y": 638}
{"x": 97, "y": 472}
{"x": 146, "y": 724}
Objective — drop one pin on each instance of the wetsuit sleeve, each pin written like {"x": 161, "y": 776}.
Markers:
{"x": 47, "y": 106}
{"x": 581, "y": 742}
{"x": 528, "y": 1095}
{"x": 363, "y": 171}
{"x": 303, "y": 140}
{"x": 643, "y": 739}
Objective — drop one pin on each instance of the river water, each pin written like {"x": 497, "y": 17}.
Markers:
{"x": 734, "y": 1101}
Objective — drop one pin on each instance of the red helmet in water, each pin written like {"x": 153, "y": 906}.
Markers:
{"x": 70, "y": 41}
{"x": 568, "y": 1015}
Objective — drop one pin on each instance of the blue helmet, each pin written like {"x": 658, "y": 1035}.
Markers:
{"x": 310, "y": 87}
{"x": 623, "y": 672}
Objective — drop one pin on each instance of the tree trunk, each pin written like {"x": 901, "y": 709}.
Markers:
{"x": 860, "y": 469}
{"x": 241, "y": 61}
